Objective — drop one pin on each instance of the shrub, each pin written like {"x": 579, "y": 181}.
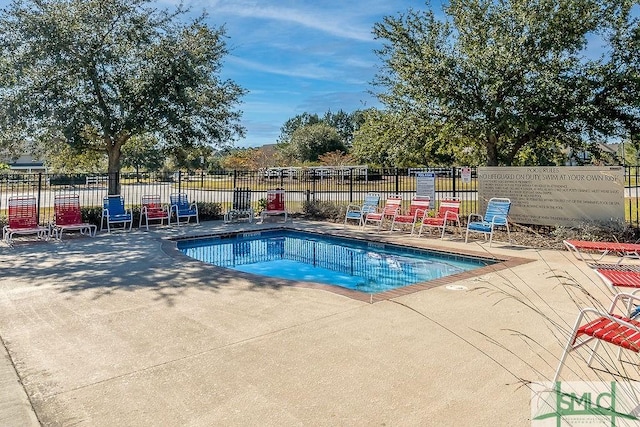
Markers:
{"x": 598, "y": 231}
{"x": 209, "y": 211}
{"x": 326, "y": 211}
{"x": 92, "y": 215}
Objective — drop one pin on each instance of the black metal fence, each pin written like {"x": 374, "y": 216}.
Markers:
{"x": 340, "y": 186}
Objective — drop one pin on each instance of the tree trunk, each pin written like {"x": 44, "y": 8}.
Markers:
{"x": 114, "y": 150}
{"x": 491, "y": 146}
{"x": 113, "y": 170}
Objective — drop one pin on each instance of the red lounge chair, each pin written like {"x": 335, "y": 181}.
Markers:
{"x": 616, "y": 267}
{"x": 68, "y": 216}
{"x": 619, "y": 329}
{"x": 418, "y": 210}
{"x": 23, "y": 219}
{"x": 152, "y": 210}
{"x": 275, "y": 204}
{"x": 582, "y": 248}
{"x": 448, "y": 213}
{"x": 388, "y": 212}
{"x": 619, "y": 278}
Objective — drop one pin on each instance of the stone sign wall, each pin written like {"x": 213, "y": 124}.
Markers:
{"x": 561, "y": 195}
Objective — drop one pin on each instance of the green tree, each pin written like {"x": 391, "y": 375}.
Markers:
{"x": 143, "y": 151}
{"x": 63, "y": 158}
{"x": 290, "y": 126}
{"x": 311, "y": 141}
{"x": 511, "y": 75}
{"x": 392, "y": 139}
{"x": 344, "y": 123}
{"x": 337, "y": 158}
{"x": 95, "y": 73}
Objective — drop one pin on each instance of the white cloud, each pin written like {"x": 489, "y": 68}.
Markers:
{"x": 336, "y": 24}
{"x": 307, "y": 71}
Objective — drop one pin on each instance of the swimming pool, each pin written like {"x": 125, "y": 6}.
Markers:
{"x": 369, "y": 267}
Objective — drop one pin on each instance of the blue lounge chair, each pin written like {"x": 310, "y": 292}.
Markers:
{"x": 358, "y": 212}
{"x": 497, "y": 215}
{"x": 182, "y": 208}
{"x": 114, "y": 212}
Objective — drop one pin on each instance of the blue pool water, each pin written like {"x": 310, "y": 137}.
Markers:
{"x": 369, "y": 267}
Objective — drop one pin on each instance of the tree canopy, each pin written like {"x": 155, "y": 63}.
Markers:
{"x": 95, "y": 73}
{"x": 514, "y": 76}
{"x": 311, "y": 141}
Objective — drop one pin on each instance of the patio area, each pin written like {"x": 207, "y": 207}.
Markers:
{"x": 119, "y": 330}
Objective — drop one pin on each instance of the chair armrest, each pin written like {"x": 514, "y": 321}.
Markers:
{"x": 367, "y": 209}
{"x": 420, "y": 213}
{"x": 501, "y": 219}
{"x": 474, "y": 215}
{"x": 451, "y": 216}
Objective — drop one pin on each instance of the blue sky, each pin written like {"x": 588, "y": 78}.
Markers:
{"x": 296, "y": 56}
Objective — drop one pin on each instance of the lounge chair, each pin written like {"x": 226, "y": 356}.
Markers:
{"x": 152, "y": 209}
{"x": 23, "y": 219}
{"x": 616, "y": 279}
{"x": 596, "y": 251}
{"x": 358, "y": 212}
{"x": 275, "y": 204}
{"x": 114, "y": 212}
{"x": 387, "y": 213}
{"x": 182, "y": 208}
{"x": 496, "y": 215}
{"x": 617, "y": 326}
{"x": 448, "y": 213}
{"x": 615, "y": 267}
{"x": 241, "y": 206}
{"x": 68, "y": 216}
{"x": 418, "y": 210}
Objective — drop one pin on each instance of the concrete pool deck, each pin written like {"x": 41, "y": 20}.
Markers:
{"x": 113, "y": 330}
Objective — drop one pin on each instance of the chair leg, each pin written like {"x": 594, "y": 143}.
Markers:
{"x": 593, "y": 353}
{"x": 567, "y": 348}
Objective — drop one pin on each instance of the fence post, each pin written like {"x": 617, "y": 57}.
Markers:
{"x": 235, "y": 177}
{"x": 179, "y": 181}
{"x": 453, "y": 183}
{"x": 397, "y": 181}
{"x": 39, "y": 197}
{"x": 350, "y": 185}
{"x": 313, "y": 182}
